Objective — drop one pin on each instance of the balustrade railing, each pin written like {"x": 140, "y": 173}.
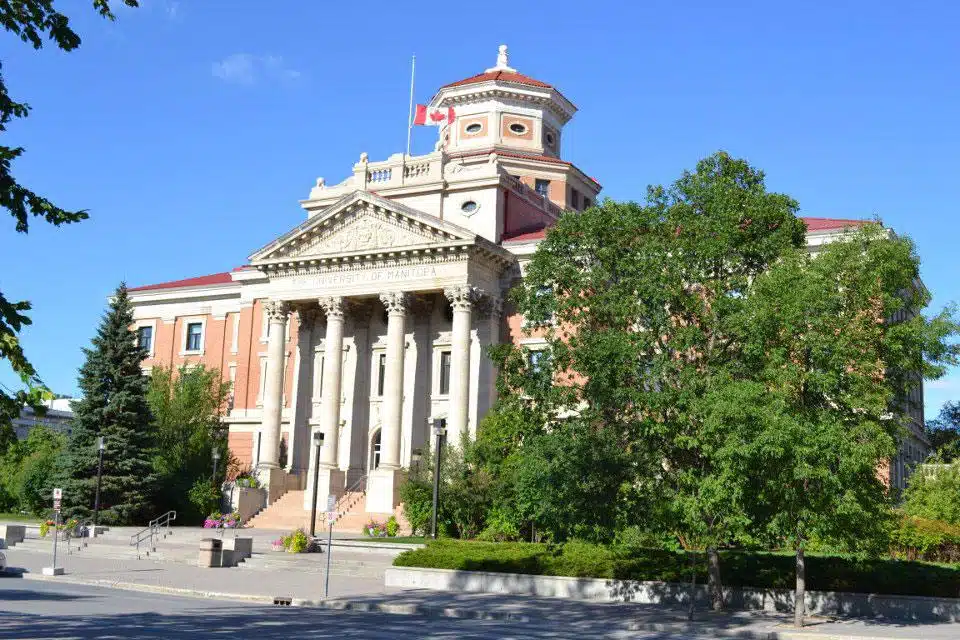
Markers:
{"x": 380, "y": 175}
{"x": 533, "y": 197}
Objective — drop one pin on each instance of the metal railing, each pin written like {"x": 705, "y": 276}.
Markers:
{"x": 341, "y": 507}
{"x": 152, "y": 530}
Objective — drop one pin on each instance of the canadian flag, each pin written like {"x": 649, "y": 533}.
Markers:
{"x": 433, "y": 117}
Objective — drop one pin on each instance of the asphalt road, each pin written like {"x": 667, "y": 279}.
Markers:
{"x": 39, "y": 609}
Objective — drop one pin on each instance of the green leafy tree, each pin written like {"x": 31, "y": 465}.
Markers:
{"x": 944, "y": 433}
{"x": 638, "y": 302}
{"x": 187, "y": 407}
{"x": 114, "y": 406}
{"x": 934, "y": 493}
{"x": 32, "y": 21}
{"x": 831, "y": 344}
{"x": 26, "y": 471}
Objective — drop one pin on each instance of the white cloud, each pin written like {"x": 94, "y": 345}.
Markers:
{"x": 249, "y": 69}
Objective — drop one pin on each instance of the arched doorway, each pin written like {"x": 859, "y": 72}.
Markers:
{"x": 374, "y": 459}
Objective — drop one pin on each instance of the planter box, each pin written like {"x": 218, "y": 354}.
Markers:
{"x": 829, "y": 603}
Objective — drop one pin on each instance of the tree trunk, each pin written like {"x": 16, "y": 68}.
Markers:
{"x": 693, "y": 583}
{"x": 799, "y": 598}
{"x": 716, "y": 586}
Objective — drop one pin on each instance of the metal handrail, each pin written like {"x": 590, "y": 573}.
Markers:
{"x": 152, "y": 529}
{"x": 353, "y": 488}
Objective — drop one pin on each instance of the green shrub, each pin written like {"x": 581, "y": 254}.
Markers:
{"x": 393, "y": 527}
{"x": 923, "y": 539}
{"x": 762, "y": 570}
{"x": 298, "y": 542}
{"x": 417, "y": 498}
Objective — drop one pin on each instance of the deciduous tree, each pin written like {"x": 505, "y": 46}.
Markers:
{"x": 32, "y": 21}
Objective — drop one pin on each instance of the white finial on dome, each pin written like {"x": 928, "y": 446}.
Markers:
{"x": 503, "y": 62}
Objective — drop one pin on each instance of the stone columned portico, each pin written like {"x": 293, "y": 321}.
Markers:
{"x": 409, "y": 350}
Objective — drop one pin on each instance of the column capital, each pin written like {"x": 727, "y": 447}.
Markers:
{"x": 462, "y": 297}
{"x": 276, "y": 310}
{"x": 333, "y": 306}
{"x": 307, "y": 317}
{"x": 396, "y": 302}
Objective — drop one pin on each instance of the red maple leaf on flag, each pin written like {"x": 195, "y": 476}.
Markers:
{"x": 437, "y": 116}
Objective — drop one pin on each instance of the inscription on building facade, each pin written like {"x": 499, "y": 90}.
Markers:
{"x": 352, "y": 278}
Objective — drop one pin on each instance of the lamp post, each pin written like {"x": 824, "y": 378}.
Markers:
{"x": 317, "y": 443}
{"x": 216, "y": 459}
{"x": 96, "y": 499}
{"x": 415, "y": 457}
{"x": 439, "y": 429}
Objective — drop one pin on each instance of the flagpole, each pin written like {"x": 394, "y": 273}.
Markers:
{"x": 413, "y": 68}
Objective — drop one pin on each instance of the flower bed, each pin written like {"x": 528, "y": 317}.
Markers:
{"x": 217, "y": 520}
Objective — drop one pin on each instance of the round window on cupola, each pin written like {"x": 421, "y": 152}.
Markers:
{"x": 469, "y": 207}
{"x": 549, "y": 138}
{"x": 474, "y": 128}
{"x": 518, "y": 128}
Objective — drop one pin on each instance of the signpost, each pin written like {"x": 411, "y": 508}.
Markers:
{"x": 331, "y": 518}
{"x": 55, "y": 570}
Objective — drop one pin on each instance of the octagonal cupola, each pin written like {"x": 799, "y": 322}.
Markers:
{"x": 502, "y": 108}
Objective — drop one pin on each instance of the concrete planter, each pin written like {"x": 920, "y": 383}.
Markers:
{"x": 13, "y": 533}
{"x": 246, "y": 501}
{"x": 864, "y": 605}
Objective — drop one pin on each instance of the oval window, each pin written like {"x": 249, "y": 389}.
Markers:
{"x": 474, "y": 128}
{"x": 550, "y": 138}
{"x": 469, "y": 206}
{"x": 518, "y": 128}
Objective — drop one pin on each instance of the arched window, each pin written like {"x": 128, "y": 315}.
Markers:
{"x": 375, "y": 450}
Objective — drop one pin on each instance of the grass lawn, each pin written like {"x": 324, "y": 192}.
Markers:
{"x": 738, "y": 568}
{"x": 16, "y": 517}
{"x": 397, "y": 539}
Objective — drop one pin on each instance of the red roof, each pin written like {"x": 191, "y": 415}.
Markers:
{"x": 502, "y": 76}
{"x": 813, "y": 224}
{"x": 830, "y": 224}
{"x": 213, "y": 278}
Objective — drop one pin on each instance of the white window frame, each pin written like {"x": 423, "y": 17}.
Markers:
{"x": 549, "y": 322}
{"x": 186, "y": 322}
{"x": 376, "y": 352}
{"x": 235, "y": 338}
{"x": 153, "y": 334}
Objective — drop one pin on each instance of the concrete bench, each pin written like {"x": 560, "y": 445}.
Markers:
{"x": 13, "y": 533}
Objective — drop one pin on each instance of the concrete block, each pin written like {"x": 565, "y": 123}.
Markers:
{"x": 13, "y": 533}
{"x": 241, "y": 547}
{"x": 53, "y": 571}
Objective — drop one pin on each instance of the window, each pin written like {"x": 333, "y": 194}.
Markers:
{"x": 381, "y": 373}
{"x": 474, "y": 128}
{"x": 536, "y": 360}
{"x": 574, "y": 199}
{"x": 542, "y": 187}
{"x": 586, "y": 203}
{"x": 194, "y": 336}
{"x": 145, "y": 338}
{"x": 518, "y": 128}
{"x": 549, "y": 138}
{"x": 469, "y": 206}
{"x": 445, "y": 372}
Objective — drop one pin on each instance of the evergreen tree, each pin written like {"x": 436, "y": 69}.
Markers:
{"x": 114, "y": 406}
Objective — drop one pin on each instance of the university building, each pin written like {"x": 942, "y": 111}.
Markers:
{"x": 368, "y": 321}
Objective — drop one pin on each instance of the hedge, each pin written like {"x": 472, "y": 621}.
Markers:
{"x": 738, "y": 568}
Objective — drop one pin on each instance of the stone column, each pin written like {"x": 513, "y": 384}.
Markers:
{"x": 383, "y": 482}
{"x": 396, "y": 304}
{"x": 462, "y": 299}
{"x": 277, "y": 313}
{"x": 303, "y": 391}
{"x": 330, "y": 479}
{"x": 488, "y": 333}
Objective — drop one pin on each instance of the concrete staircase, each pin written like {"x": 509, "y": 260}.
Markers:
{"x": 288, "y": 513}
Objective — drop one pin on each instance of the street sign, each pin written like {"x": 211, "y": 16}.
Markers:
{"x": 331, "y": 509}
{"x": 57, "y": 493}
{"x": 56, "y": 504}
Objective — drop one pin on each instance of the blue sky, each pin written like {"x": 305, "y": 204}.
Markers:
{"x": 191, "y": 129}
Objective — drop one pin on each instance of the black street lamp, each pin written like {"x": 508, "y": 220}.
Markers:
{"x": 96, "y": 500}
{"x": 317, "y": 443}
{"x": 439, "y": 429}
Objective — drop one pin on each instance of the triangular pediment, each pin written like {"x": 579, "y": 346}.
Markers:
{"x": 361, "y": 223}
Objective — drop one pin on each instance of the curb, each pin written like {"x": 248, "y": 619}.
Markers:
{"x": 747, "y": 634}
{"x": 150, "y": 588}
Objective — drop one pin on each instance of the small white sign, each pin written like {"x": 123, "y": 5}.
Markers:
{"x": 57, "y": 493}
{"x": 331, "y": 502}
{"x": 56, "y": 504}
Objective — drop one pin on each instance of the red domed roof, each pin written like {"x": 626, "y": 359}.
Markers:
{"x": 502, "y": 76}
